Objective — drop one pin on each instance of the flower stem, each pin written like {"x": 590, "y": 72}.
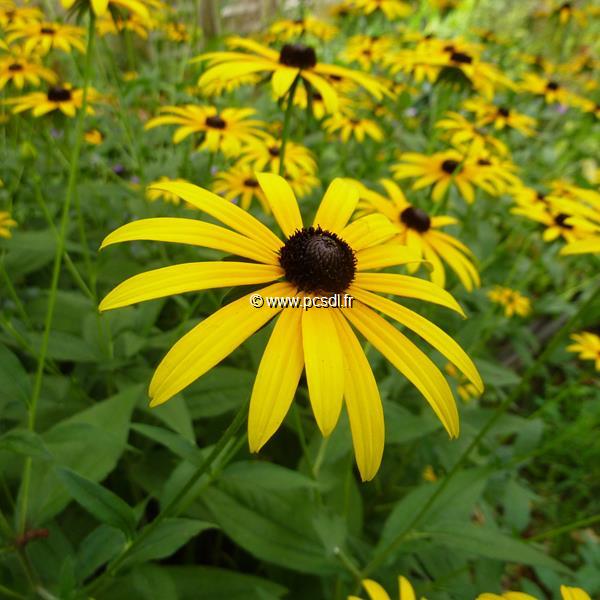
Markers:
{"x": 58, "y": 257}
{"x": 171, "y": 508}
{"x": 381, "y": 556}
{"x": 286, "y": 123}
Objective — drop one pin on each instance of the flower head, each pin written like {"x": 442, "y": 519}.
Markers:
{"x": 63, "y": 98}
{"x": 513, "y": 301}
{"x": 325, "y": 258}
{"x": 587, "y": 346}
{"x": 5, "y": 224}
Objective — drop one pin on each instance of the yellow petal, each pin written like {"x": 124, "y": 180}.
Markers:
{"x": 189, "y": 231}
{"x": 327, "y": 91}
{"x": 375, "y": 591}
{"x": 210, "y": 342}
{"x": 430, "y": 332}
{"x": 277, "y": 378}
{"x": 187, "y": 277}
{"x": 368, "y": 231}
{"x": 408, "y": 287}
{"x": 385, "y": 255}
{"x": 324, "y": 367}
{"x": 222, "y": 210}
{"x": 362, "y": 402}
{"x": 571, "y": 593}
{"x": 406, "y": 589}
{"x": 410, "y": 361}
{"x": 337, "y": 206}
{"x": 282, "y": 80}
{"x": 100, "y": 6}
{"x": 282, "y": 202}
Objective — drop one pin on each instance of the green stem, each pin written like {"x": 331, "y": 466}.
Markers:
{"x": 286, "y": 123}
{"x": 565, "y": 528}
{"x": 380, "y": 557}
{"x": 171, "y": 508}
{"x": 72, "y": 181}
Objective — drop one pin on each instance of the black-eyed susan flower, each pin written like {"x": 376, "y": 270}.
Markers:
{"x": 496, "y": 174}
{"x": 367, "y": 50}
{"x": 239, "y": 184}
{"x": 20, "y": 70}
{"x": 422, "y": 234}
{"x": 139, "y": 7}
{"x": 513, "y": 301}
{"x": 64, "y": 98}
{"x": 392, "y": 9}
{"x": 439, "y": 170}
{"x": 226, "y": 131}
{"x": 588, "y": 245}
{"x": 444, "y": 5}
{"x": 176, "y": 32}
{"x": 348, "y": 125}
{"x": 6, "y": 223}
{"x": 94, "y": 137}
{"x": 153, "y": 193}
{"x": 586, "y": 346}
{"x": 553, "y": 91}
{"x": 328, "y": 257}
{"x": 293, "y": 61}
{"x": 109, "y": 25}
{"x": 567, "y": 593}
{"x": 41, "y": 37}
{"x": 376, "y": 592}
{"x": 469, "y": 137}
{"x": 286, "y": 30}
{"x": 18, "y": 15}
{"x": 466, "y": 390}
{"x": 265, "y": 155}
{"x": 500, "y": 116}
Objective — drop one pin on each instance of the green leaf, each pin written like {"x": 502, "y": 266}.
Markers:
{"x": 27, "y": 443}
{"x": 491, "y": 543}
{"x": 103, "y": 504}
{"x": 14, "y": 382}
{"x": 90, "y": 443}
{"x": 167, "y": 538}
{"x": 29, "y": 251}
{"x": 176, "y": 415}
{"x": 402, "y": 426}
{"x": 100, "y": 546}
{"x": 495, "y": 375}
{"x": 177, "y": 444}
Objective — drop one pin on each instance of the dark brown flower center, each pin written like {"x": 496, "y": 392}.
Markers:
{"x": 449, "y": 166}
{"x": 59, "y": 94}
{"x": 274, "y": 151}
{"x": 215, "y": 122}
{"x": 15, "y": 67}
{"x": 416, "y": 219}
{"x": 48, "y": 30}
{"x": 318, "y": 261}
{"x": 461, "y": 57}
{"x": 251, "y": 182}
{"x": 560, "y": 221}
{"x": 552, "y": 85}
{"x": 484, "y": 162}
{"x": 298, "y": 56}
{"x": 503, "y": 111}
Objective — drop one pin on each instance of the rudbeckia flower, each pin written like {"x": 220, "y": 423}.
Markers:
{"x": 64, "y": 98}
{"x": 227, "y": 131}
{"x": 376, "y": 591}
{"x": 440, "y": 170}
{"x": 45, "y": 36}
{"x": 288, "y": 29}
{"x": 501, "y": 117}
{"x": 19, "y": 70}
{"x": 468, "y": 136}
{"x": 293, "y": 61}
{"x": 567, "y": 593}
{"x": 422, "y": 234}
{"x": 109, "y": 25}
{"x": 93, "y": 137}
{"x": 264, "y": 155}
{"x": 392, "y": 9}
{"x": 5, "y": 224}
{"x": 588, "y": 245}
{"x": 349, "y": 125}
{"x": 240, "y": 184}
{"x": 328, "y": 257}
{"x": 552, "y": 90}
{"x": 100, "y": 7}
{"x": 18, "y": 15}
{"x": 367, "y": 50}
{"x": 587, "y": 346}
{"x": 513, "y": 301}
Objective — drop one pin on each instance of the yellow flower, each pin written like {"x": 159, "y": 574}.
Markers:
{"x": 349, "y": 125}
{"x": 440, "y": 170}
{"x": 501, "y": 117}
{"x": 41, "y": 37}
{"x": 466, "y": 390}
{"x": 5, "y": 224}
{"x": 367, "y": 50}
{"x": 421, "y": 233}
{"x": 589, "y": 245}
{"x": 153, "y": 194}
{"x": 428, "y": 474}
{"x": 552, "y": 90}
{"x": 288, "y": 29}
{"x": 292, "y": 62}
{"x": 100, "y": 7}
{"x": 93, "y": 137}
{"x": 514, "y": 302}
{"x": 329, "y": 257}
{"x": 392, "y": 9}
{"x": 240, "y": 183}
{"x": 108, "y": 25}
{"x": 587, "y": 345}
{"x": 376, "y": 592}
{"x": 567, "y": 593}
{"x": 263, "y": 155}
{"x": 64, "y": 98}
{"x": 20, "y": 71}
{"x": 468, "y": 137}
{"x": 19, "y": 15}
{"x": 227, "y": 131}
{"x": 176, "y": 32}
